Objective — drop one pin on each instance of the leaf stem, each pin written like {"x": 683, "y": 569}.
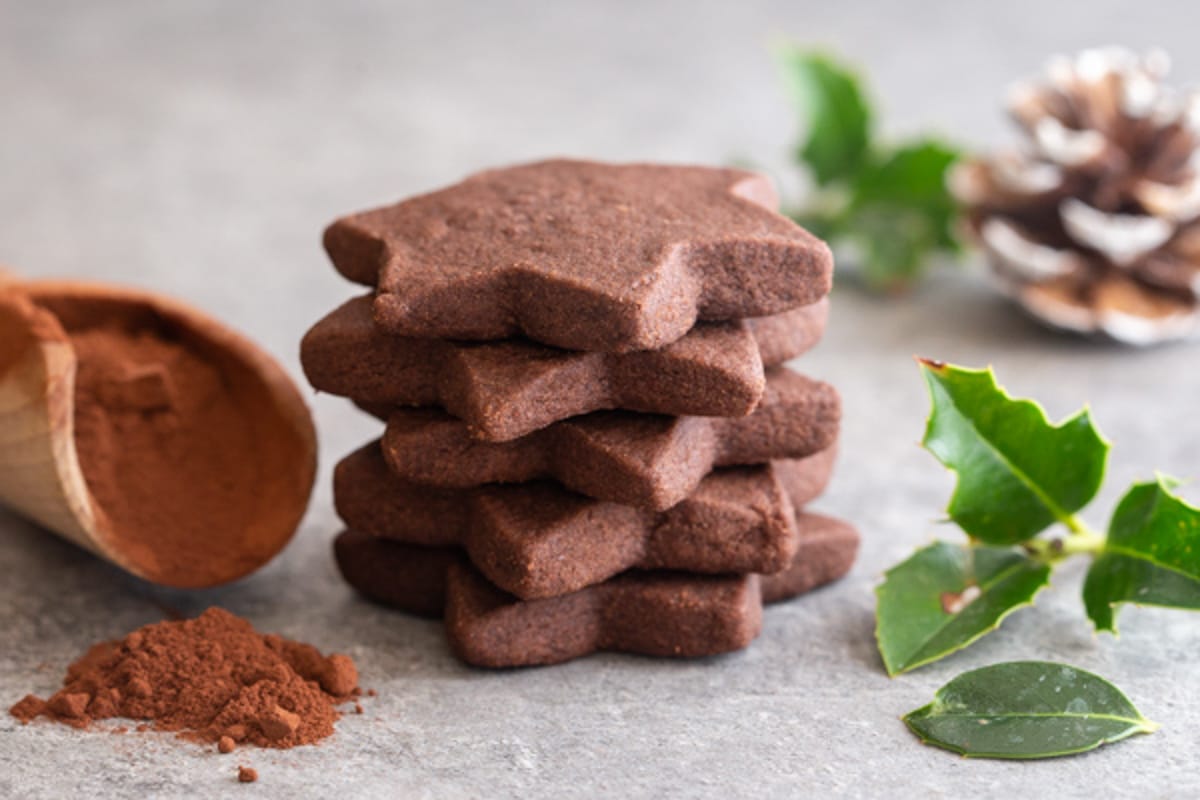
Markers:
{"x": 1078, "y": 527}
{"x": 1081, "y": 539}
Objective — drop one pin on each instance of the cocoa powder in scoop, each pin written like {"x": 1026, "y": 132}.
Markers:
{"x": 193, "y": 452}
{"x": 162, "y": 441}
{"x": 212, "y": 679}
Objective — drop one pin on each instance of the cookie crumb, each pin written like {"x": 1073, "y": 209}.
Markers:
{"x": 358, "y": 709}
{"x": 247, "y": 774}
{"x": 225, "y": 744}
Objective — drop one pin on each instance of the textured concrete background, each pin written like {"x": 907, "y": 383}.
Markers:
{"x": 200, "y": 148}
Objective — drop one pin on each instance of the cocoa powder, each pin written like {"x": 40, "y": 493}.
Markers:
{"x": 157, "y": 431}
{"x": 212, "y": 679}
{"x": 193, "y": 452}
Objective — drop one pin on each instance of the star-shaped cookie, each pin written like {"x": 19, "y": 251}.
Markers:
{"x": 513, "y": 387}
{"x": 540, "y": 540}
{"x": 644, "y": 460}
{"x": 657, "y": 613}
{"x": 582, "y": 255}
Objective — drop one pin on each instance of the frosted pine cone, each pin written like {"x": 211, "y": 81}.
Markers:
{"x": 1094, "y": 225}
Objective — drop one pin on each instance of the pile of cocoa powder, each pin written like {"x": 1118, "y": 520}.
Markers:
{"x": 212, "y": 679}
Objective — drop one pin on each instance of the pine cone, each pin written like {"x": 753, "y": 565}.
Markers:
{"x": 1093, "y": 225}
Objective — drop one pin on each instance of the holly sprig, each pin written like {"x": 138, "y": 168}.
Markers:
{"x": 887, "y": 202}
{"x": 1021, "y": 481}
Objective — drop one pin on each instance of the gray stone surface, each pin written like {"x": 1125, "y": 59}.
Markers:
{"x": 200, "y": 148}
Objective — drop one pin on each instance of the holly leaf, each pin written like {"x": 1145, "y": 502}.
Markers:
{"x": 822, "y": 225}
{"x": 892, "y": 204}
{"x": 912, "y": 176}
{"x": 1017, "y": 473}
{"x": 946, "y": 596}
{"x": 836, "y": 115}
{"x": 894, "y": 244}
{"x": 1026, "y": 710}
{"x": 900, "y": 213}
{"x": 1151, "y": 557}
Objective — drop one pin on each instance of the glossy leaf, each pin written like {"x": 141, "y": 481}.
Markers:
{"x": 1017, "y": 473}
{"x": 946, "y": 596}
{"x": 1025, "y": 710}
{"x": 1152, "y": 556}
{"x": 836, "y": 116}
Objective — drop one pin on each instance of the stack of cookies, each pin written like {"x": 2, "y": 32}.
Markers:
{"x": 591, "y": 442}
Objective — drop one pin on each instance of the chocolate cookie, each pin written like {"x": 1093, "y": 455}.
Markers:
{"x": 407, "y": 577}
{"x": 582, "y": 255}
{"x": 654, "y": 614}
{"x": 494, "y": 629}
{"x": 504, "y": 390}
{"x": 540, "y": 540}
{"x": 642, "y": 460}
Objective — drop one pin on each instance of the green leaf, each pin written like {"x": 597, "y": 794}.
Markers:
{"x": 900, "y": 213}
{"x": 912, "y": 177}
{"x": 1026, "y": 709}
{"x": 1017, "y": 473}
{"x": 837, "y": 117}
{"x": 894, "y": 243}
{"x": 822, "y": 225}
{"x": 946, "y": 596}
{"x": 1152, "y": 556}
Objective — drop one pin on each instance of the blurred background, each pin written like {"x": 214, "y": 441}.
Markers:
{"x": 202, "y": 146}
{"x": 199, "y": 148}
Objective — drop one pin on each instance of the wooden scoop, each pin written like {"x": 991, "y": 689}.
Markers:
{"x": 41, "y": 473}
